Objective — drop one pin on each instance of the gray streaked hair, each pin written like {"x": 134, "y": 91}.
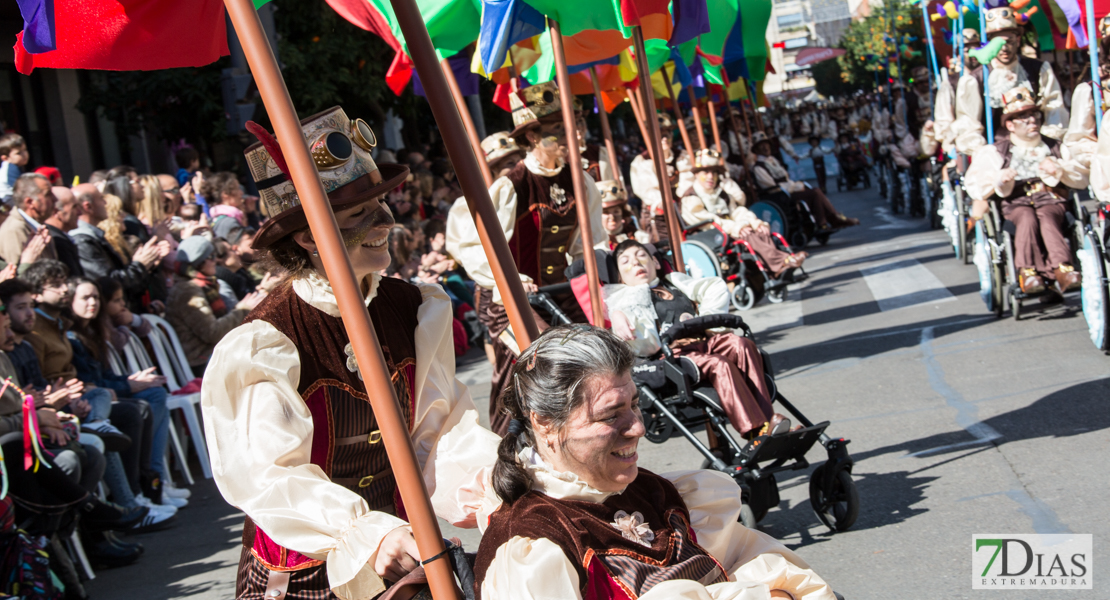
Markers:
{"x": 548, "y": 381}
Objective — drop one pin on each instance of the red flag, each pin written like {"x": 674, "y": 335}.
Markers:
{"x": 501, "y": 96}
{"x": 362, "y": 14}
{"x": 131, "y": 35}
{"x": 399, "y": 73}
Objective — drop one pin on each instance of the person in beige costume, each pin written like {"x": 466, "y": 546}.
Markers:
{"x": 1027, "y": 172}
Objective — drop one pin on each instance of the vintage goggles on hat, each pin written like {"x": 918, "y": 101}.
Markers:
{"x": 333, "y": 149}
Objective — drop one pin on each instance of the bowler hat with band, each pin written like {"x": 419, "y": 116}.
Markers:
{"x": 340, "y": 149}
{"x": 531, "y": 104}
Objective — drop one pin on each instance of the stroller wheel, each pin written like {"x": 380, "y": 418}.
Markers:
{"x": 743, "y": 297}
{"x": 747, "y": 516}
{"x": 838, "y": 507}
{"x": 776, "y": 296}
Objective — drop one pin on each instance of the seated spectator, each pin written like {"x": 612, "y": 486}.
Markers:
{"x": 33, "y": 202}
{"x": 100, "y": 259}
{"x": 150, "y": 207}
{"x": 195, "y": 309}
{"x": 172, "y": 194}
{"x": 64, "y": 219}
{"x": 188, "y": 164}
{"x": 225, "y": 197}
{"x": 121, "y": 319}
{"x": 124, "y": 183}
{"x": 645, "y": 304}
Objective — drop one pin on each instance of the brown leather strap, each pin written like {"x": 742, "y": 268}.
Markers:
{"x": 357, "y": 482}
{"x": 372, "y": 438}
{"x": 277, "y": 585}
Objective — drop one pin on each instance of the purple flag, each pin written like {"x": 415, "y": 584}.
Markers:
{"x": 691, "y": 19}
{"x": 460, "y": 66}
{"x": 38, "y": 25}
{"x": 1071, "y": 11}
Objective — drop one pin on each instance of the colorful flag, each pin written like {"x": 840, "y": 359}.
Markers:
{"x": 120, "y": 35}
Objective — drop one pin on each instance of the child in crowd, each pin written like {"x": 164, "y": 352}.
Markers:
{"x": 13, "y": 153}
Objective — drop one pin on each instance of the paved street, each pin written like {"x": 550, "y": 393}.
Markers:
{"x": 960, "y": 424}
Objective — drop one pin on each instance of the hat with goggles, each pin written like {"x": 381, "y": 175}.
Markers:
{"x": 1019, "y": 102}
{"x": 532, "y": 104}
{"x": 340, "y": 148}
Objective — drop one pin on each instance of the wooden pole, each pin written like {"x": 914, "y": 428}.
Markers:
{"x": 468, "y": 122}
{"x": 606, "y": 132}
{"x": 657, "y": 154}
{"x": 713, "y": 119}
{"x": 467, "y": 169}
{"x": 348, "y": 295}
{"x": 578, "y": 176}
{"x": 679, "y": 122}
{"x": 696, "y": 113}
{"x": 637, "y": 107}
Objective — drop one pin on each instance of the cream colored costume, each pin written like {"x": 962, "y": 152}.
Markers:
{"x": 1080, "y": 138}
{"x": 1050, "y": 99}
{"x": 967, "y": 130}
{"x": 260, "y": 434}
{"x": 1100, "y": 163}
{"x": 773, "y": 174}
{"x": 724, "y": 205}
{"x": 709, "y": 293}
{"x": 982, "y": 179}
{"x": 525, "y": 569}
{"x": 462, "y": 236}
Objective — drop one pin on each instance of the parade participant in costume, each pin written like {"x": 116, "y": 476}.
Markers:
{"x": 536, "y": 206}
{"x": 1009, "y": 69}
{"x": 772, "y": 178}
{"x": 645, "y": 184}
{"x": 645, "y": 304}
{"x": 595, "y": 158}
{"x": 1028, "y": 172}
{"x": 502, "y": 154}
{"x": 616, "y": 216}
{"x": 720, "y": 201}
{"x": 817, "y": 154}
{"x": 580, "y": 519}
{"x": 1081, "y": 139}
{"x": 293, "y": 440}
{"x": 966, "y": 131}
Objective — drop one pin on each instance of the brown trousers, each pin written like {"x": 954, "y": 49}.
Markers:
{"x": 733, "y": 366}
{"x": 819, "y": 204}
{"x": 764, "y": 246}
{"x": 1039, "y": 241}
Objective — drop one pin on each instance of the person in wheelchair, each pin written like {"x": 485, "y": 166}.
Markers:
{"x": 772, "y": 178}
{"x": 578, "y": 518}
{"x": 715, "y": 199}
{"x": 851, "y": 157}
{"x": 645, "y": 304}
{"x": 1027, "y": 171}
{"x": 616, "y": 216}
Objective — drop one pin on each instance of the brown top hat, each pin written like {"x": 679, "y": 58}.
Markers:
{"x": 532, "y": 104}
{"x": 341, "y": 150}
{"x": 498, "y": 146}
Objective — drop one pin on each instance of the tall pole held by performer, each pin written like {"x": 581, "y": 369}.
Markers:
{"x": 652, "y": 123}
{"x": 679, "y": 122}
{"x": 574, "y": 163}
{"x": 606, "y": 132}
{"x": 696, "y": 113}
{"x": 356, "y": 319}
{"x": 468, "y": 122}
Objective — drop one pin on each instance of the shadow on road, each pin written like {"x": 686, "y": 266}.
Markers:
{"x": 1071, "y": 411}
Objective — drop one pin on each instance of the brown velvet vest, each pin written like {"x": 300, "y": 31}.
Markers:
{"x": 546, "y": 223}
{"x": 608, "y": 565}
{"x": 346, "y": 442}
{"x": 1055, "y": 195}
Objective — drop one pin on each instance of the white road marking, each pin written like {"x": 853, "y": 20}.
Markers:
{"x": 904, "y": 283}
{"x": 766, "y": 316}
{"x": 892, "y": 222}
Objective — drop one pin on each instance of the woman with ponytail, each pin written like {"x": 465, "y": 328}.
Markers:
{"x": 580, "y": 519}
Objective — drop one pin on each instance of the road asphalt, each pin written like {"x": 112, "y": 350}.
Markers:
{"x": 960, "y": 424}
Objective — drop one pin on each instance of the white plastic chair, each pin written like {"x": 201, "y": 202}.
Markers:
{"x": 137, "y": 360}
{"x": 174, "y": 365}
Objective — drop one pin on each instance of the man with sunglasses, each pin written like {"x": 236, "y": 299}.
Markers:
{"x": 1028, "y": 172}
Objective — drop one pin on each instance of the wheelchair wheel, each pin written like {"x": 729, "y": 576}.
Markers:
{"x": 798, "y": 239}
{"x": 984, "y": 265}
{"x": 659, "y": 429}
{"x": 776, "y": 296}
{"x": 700, "y": 260}
{"x": 961, "y": 227}
{"x": 743, "y": 297}
{"x": 1094, "y": 294}
{"x": 838, "y": 507}
{"x": 772, "y": 214}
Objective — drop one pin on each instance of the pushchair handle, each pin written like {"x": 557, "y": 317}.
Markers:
{"x": 697, "y": 326}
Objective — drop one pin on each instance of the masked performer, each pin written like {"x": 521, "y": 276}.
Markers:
{"x": 293, "y": 439}
{"x": 537, "y": 210}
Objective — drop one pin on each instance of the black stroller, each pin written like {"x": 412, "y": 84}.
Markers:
{"x": 675, "y": 402}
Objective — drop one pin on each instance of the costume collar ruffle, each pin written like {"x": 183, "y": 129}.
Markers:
{"x": 535, "y": 166}
{"x": 317, "y": 292}
{"x": 561, "y": 485}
